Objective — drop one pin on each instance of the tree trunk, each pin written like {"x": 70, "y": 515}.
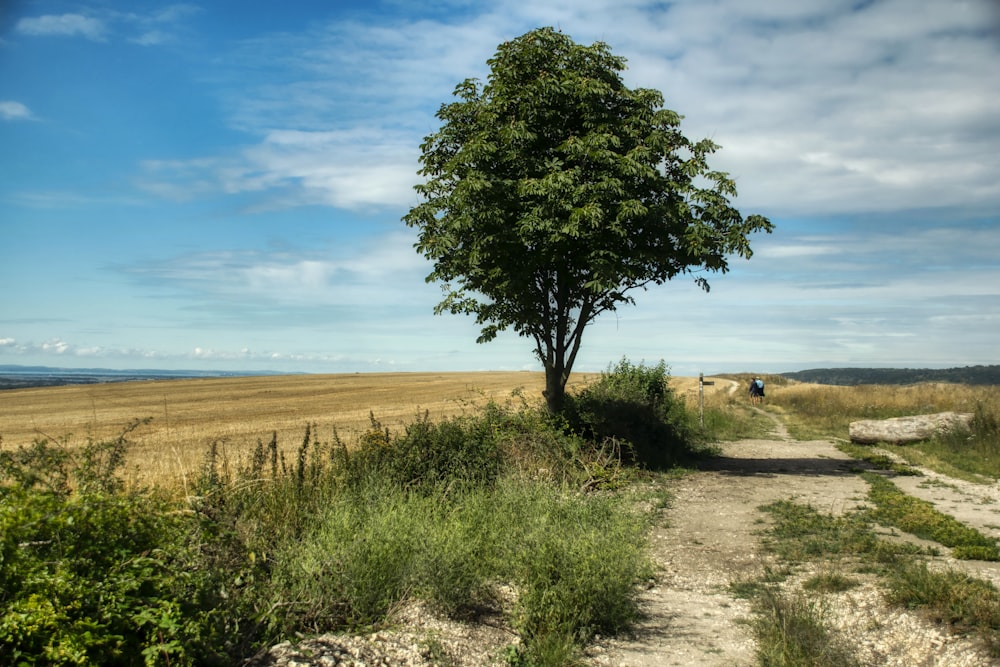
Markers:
{"x": 555, "y": 388}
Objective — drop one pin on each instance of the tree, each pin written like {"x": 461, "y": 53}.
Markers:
{"x": 554, "y": 191}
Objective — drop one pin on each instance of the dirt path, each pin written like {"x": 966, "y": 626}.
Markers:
{"x": 711, "y": 539}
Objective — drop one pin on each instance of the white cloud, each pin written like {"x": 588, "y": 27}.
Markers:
{"x": 63, "y": 25}
{"x": 383, "y": 273}
{"x": 10, "y": 110}
{"x": 151, "y": 38}
{"x": 158, "y": 27}
{"x": 827, "y": 107}
{"x": 820, "y": 108}
{"x": 57, "y": 199}
{"x": 56, "y": 346}
{"x": 153, "y": 29}
{"x": 174, "y": 13}
{"x": 356, "y": 169}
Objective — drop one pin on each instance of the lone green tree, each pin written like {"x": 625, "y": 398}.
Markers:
{"x": 553, "y": 191}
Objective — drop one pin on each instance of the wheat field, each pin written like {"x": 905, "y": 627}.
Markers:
{"x": 187, "y": 416}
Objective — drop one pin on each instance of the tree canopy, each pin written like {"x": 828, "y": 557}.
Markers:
{"x": 553, "y": 191}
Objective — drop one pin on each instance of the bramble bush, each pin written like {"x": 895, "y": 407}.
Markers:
{"x": 91, "y": 574}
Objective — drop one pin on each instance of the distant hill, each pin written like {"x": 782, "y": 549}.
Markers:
{"x": 23, "y": 377}
{"x": 855, "y": 376}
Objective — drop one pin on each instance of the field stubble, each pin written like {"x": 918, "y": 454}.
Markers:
{"x": 189, "y": 415}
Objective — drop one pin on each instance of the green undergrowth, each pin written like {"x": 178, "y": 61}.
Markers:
{"x": 92, "y": 574}
{"x": 504, "y": 510}
{"x": 735, "y": 421}
{"x": 791, "y": 630}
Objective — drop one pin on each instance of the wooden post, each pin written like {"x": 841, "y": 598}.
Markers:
{"x": 701, "y": 399}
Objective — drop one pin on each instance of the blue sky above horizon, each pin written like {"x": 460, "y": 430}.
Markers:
{"x": 220, "y": 185}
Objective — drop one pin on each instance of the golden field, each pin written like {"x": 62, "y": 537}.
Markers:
{"x": 189, "y": 415}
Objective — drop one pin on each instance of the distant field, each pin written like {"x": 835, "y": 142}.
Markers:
{"x": 188, "y": 415}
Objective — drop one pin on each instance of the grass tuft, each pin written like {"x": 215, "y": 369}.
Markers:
{"x": 791, "y": 632}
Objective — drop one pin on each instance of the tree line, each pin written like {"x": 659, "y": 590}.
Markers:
{"x": 977, "y": 375}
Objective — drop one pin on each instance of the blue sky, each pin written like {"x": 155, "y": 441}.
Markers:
{"x": 220, "y": 185}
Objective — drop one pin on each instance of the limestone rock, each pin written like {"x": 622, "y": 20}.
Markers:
{"x": 901, "y": 430}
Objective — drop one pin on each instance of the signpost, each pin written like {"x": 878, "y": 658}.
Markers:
{"x": 701, "y": 397}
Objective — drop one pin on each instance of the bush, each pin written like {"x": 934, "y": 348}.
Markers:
{"x": 327, "y": 539}
{"x": 635, "y": 404}
{"x": 580, "y": 560}
{"x": 90, "y": 574}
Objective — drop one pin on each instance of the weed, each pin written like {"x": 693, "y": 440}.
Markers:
{"x": 801, "y": 533}
{"x": 791, "y": 632}
{"x": 829, "y": 582}
{"x": 950, "y": 597}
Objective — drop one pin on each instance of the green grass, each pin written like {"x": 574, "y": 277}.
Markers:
{"x": 829, "y": 582}
{"x": 734, "y": 421}
{"x": 949, "y": 597}
{"x": 893, "y": 507}
{"x": 930, "y": 455}
{"x": 574, "y": 559}
{"x": 800, "y": 534}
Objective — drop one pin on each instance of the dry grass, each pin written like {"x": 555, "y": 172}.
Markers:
{"x": 816, "y": 411}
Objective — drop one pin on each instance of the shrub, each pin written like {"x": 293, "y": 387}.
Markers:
{"x": 635, "y": 404}
{"x": 92, "y": 576}
{"x": 328, "y": 538}
{"x": 581, "y": 559}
